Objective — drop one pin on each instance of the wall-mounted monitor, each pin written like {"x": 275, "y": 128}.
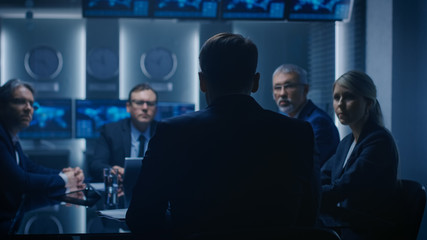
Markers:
{"x": 319, "y": 10}
{"x": 253, "y": 9}
{"x": 185, "y": 9}
{"x": 115, "y": 8}
{"x": 172, "y": 109}
{"x": 91, "y": 115}
{"x": 52, "y": 120}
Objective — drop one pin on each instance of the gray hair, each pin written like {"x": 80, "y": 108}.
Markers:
{"x": 292, "y": 68}
{"x": 362, "y": 85}
{"x": 6, "y": 91}
{"x": 6, "y": 94}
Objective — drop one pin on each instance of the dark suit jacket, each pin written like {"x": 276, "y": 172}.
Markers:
{"x": 28, "y": 178}
{"x": 368, "y": 181}
{"x": 325, "y": 131}
{"x": 113, "y": 146}
{"x": 233, "y": 165}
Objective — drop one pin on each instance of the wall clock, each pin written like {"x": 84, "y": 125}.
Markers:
{"x": 43, "y": 63}
{"x": 158, "y": 63}
{"x": 102, "y": 63}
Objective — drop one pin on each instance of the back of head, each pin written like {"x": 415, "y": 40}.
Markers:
{"x": 229, "y": 62}
{"x": 362, "y": 85}
{"x": 292, "y": 69}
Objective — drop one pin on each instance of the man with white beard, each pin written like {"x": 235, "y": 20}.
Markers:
{"x": 290, "y": 88}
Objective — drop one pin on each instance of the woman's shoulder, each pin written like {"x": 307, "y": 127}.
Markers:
{"x": 377, "y": 131}
{"x": 380, "y": 137}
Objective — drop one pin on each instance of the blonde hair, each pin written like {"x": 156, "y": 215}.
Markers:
{"x": 362, "y": 85}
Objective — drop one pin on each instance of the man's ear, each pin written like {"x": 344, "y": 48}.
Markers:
{"x": 128, "y": 107}
{"x": 306, "y": 89}
{"x": 255, "y": 84}
{"x": 202, "y": 81}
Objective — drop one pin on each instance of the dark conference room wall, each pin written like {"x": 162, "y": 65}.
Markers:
{"x": 409, "y": 73}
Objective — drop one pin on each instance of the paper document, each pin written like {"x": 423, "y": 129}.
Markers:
{"x": 99, "y": 186}
{"x": 117, "y": 214}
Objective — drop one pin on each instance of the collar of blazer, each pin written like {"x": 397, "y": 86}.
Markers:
{"x": 369, "y": 128}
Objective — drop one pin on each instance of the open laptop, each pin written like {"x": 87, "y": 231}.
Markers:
{"x": 132, "y": 170}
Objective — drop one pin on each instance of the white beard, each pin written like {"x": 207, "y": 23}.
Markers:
{"x": 287, "y": 109}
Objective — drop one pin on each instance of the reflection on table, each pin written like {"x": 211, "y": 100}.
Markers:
{"x": 55, "y": 217}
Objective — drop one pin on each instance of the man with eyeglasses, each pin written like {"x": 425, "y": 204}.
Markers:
{"x": 128, "y": 137}
{"x": 22, "y": 180}
{"x": 290, "y": 88}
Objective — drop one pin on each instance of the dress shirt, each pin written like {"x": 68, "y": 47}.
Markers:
{"x": 135, "y": 133}
{"x": 349, "y": 153}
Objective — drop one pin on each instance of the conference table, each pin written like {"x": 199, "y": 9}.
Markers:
{"x": 105, "y": 215}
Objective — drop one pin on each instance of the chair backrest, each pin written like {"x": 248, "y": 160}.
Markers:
{"x": 411, "y": 203}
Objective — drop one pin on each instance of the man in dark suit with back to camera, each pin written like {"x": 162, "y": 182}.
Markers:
{"x": 23, "y": 181}
{"x": 128, "y": 137}
{"x": 290, "y": 89}
{"x": 228, "y": 167}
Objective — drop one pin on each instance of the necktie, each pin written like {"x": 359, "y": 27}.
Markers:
{"x": 141, "y": 145}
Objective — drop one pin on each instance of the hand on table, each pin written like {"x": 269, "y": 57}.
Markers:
{"x": 120, "y": 171}
{"x": 75, "y": 178}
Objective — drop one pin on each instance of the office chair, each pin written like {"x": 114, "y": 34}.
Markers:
{"x": 411, "y": 201}
{"x": 402, "y": 221}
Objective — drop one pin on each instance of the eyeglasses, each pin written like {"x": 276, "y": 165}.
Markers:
{"x": 141, "y": 103}
{"x": 287, "y": 86}
{"x": 23, "y": 102}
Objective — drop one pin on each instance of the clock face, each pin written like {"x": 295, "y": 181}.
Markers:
{"x": 103, "y": 63}
{"x": 43, "y": 63}
{"x": 158, "y": 63}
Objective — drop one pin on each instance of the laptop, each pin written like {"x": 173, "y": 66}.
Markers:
{"x": 132, "y": 170}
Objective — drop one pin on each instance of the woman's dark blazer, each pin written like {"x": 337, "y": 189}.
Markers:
{"x": 368, "y": 179}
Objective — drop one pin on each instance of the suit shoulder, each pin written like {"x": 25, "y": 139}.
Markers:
{"x": 380, "y": 134}
{"x": 115, "y": 127}
{"x": 318, "y": 115}
{"x": 185, "y": 118}
{"x": 286, "y": 122}
{"x": 116, "y": 124}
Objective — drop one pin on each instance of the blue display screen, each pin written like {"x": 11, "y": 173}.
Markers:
{"x": 328, "y": 10}
{"x": 172, "y": 109}
{"x": 196, "y": 9}
{"x": 253, "y": 9}
{"x": 53, "y": 120}
{"x": 91, "y": 115}
{"x": 115, "y": 8}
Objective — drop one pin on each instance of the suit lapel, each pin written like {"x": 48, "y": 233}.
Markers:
{"x": 126, "y": 137}
{"x": 307, "y": 110}
{"x": 21, "y": 155}
{"x": 352, "y": 158}
{"x": 369, "y": 127}
{"x": 343, "y": 154}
